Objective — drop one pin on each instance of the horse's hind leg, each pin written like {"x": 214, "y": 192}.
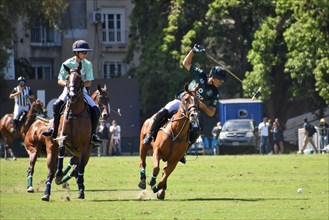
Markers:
{"x": 30, "y": 171}
{"x": 59, "y": 172}
{"x": 156, "y": 167}
{"x": 143, "y": 152}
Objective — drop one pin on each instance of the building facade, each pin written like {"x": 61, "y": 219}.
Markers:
{"x": 103, "y": 23}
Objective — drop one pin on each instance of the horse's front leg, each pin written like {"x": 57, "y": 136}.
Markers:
{"x": 59, "y": 173}
{"x": 142, "y": 154}
{"x": 81, "y": 170}
{"x": 162, "y": 185}
{"x": 156, "y": 167}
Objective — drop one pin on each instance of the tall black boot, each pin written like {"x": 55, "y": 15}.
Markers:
{"x": 15, "y": 126}
{"x": 95, "y": 114}
{"x": 156, "y": 120}
{"x": 54, "y": 129}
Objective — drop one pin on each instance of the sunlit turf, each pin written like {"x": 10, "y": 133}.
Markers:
{"x": 207, "y": 187}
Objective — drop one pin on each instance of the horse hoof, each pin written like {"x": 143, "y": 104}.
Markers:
{"x": 30, "y": 189}
{"x": 155, "y": 189}
{"x": 161, "y": 194}
{"x": 45, "y": 198}
{"x": 142, "y": 185}
{"x": 81, "y": 194}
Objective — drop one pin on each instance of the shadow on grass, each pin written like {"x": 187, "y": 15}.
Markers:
{"x": 200, "y": 199}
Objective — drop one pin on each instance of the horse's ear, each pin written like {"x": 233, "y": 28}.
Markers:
{"x": 80, "y": 66}
{"x": 66, "y": 68}
{"x": 186, "y": 87}
{"x": 105, "y": 87}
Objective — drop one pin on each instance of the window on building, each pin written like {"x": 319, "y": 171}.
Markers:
{"x": 43, "y": 36}
{"x": 113, "y": 26}
{"x": 42, "y": 70}
{"x": 113, "y": 69}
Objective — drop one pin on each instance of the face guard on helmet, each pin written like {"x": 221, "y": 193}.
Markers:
{"x": 81, "y": 45}
{"x": 21, "y": 80}
{"x": 218, "y": 73}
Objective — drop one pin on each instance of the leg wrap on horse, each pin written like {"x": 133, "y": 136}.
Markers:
{"x": 163, "y": 113}
{"x": 60, "y": 158}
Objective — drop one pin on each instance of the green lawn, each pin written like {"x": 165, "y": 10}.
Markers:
{"x": 207, "y": 187}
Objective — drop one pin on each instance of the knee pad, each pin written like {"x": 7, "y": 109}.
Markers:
{"x": 194, "y": 134}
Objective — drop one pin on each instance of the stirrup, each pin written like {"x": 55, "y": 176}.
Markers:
{"x": 48, "y": 133}
{"x": 95, "y": 139}
{"x": 183, "y": 160}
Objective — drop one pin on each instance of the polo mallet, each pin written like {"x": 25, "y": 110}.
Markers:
{"x": 258, "y": 92}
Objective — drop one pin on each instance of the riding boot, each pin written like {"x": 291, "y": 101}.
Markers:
{"x": 95, "y": 114}
{"x": 15, "y": 126}
{"x": 156, "y": 120}
{"x": 54, "y": 129}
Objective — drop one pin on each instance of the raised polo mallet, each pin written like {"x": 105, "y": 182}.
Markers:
{"x": 255, "y": 96}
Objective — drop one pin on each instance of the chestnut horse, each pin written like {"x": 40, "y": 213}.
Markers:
{"x": 27, "y": 118}
{"x": 171, "y": 143}
{"x": 36, "y": 144}
{"x": 74, "y": 131}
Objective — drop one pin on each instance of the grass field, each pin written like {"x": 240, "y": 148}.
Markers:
{"x": 207, "y": 187}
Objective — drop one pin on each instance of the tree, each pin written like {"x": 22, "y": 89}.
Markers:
{"x": 281, "y": 46}
{"x": 50, "y": 11}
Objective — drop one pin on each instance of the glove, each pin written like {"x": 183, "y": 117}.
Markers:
{"x": 198, "y": 49}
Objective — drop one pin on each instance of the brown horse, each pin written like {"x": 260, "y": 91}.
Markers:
{"x": 74, "y": 131}
{"x": 171, "y": 143}
{"x": 26, "y": 120}
{"x": 36, "y": 144}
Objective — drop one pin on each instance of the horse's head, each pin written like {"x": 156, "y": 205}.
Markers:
{"x": 103, "y": 101}
{"x": 190, "y": 105}
{"x": 74, "y": 82}
{"x": 37, "y": 107}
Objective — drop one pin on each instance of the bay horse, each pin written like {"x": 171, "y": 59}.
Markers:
{"x": 171, "y": 143}
{"x": 74, "y": 131}
{"x": 36, "y": 144}
{"x": 26, "y": 120}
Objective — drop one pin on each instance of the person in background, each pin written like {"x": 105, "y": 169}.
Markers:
{"x": 22, "y": 95}
{"x": 103, "y": 133}
{"x": 263, "y": 129}
{"x": 115, "y": 142}
{"x": 215, "y": 135}
{"x": 323, "y": 131}
{"x": 277, "y": 132}
{"x": 309, "y": 132}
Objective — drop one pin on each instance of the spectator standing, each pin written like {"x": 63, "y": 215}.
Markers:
{"x": 323, "y": 130}
{"x": 309, "y": 132}
{"x": 103, "y": 133}
{"x": 115, "y": 142}
{"x": 277, "y": 134}
{"x": 215, "y": 135}
{"x": 263, "y": 129}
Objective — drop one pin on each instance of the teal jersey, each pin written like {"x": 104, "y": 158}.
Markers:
{"x": 207, "y": 93}
{"x": 86, "y": 70}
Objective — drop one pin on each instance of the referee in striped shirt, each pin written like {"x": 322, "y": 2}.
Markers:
{"x": 22, "y": 95}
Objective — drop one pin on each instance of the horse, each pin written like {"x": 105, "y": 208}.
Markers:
{"x": 171, "y": 143}
{"x": 36, "y": 144}
{"x": 75, "y": 134}
{"x": 26, "y": 120}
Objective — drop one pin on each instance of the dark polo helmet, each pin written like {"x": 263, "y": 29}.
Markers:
{"x": 81, "y": 45}
{"x": 218, "y": 73}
